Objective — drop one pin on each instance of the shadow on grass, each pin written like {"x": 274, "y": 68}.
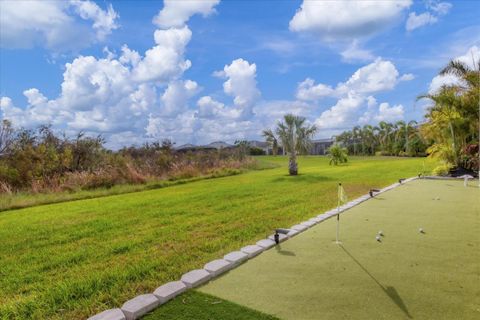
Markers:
{"x": 284, "y": 252}
{"x": 391, "y": 292}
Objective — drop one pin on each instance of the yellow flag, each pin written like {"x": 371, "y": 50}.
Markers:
{"x": 342, "y": 196}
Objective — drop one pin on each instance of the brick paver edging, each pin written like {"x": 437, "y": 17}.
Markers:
{"x": 142, "y": 304}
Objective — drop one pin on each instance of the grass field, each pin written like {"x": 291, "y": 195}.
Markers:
{"x": 409, "y": 275}
{"x": 73, "y": 259}
{"x": 21, "y": 200}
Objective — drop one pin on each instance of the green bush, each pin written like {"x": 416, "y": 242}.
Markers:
{"x": 254, "y": 151}
{"x": 442, "y": 170}
{"x": 337, "y": 154}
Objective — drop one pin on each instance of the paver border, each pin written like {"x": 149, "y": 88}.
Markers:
{"x": 265, "y": 244}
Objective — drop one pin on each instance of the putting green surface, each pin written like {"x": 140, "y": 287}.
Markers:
{"x": 434, "y": 275}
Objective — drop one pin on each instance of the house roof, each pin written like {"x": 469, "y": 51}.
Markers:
{"x": 258, "y": 144}
{"x": 218, "y": 145}
{"x": 326, "y": 140}
{"x": 186, "y": 146}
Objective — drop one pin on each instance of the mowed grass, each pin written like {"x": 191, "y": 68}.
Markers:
{"x": 73, "y": 259}
{"x": 20, "y": 200}
{"x": 408, "y": 275}
{"x": 201, "y": 306}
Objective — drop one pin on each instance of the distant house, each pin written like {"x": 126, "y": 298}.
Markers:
{"x": 320, "y": 146}
{"x": 186, "y": 147}
{"x": 217, "y": 145}
{"x": 261, "y": 145}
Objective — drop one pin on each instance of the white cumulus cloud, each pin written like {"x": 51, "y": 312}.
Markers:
{"x": 165, "y": 60}
{"x": 389, "y": 114}
{"x": 309, "y": 91}
{"x": 356, "y": 103}
{"x": 415, "y": 21}
{"x": 435, "y": 10}
{"x": 176, "y": 13}
{"x": 55, "y": 25}
{"x": 333, "y": 20}
{"x": 380, "y": 75}
{"x": 241, "y": 84}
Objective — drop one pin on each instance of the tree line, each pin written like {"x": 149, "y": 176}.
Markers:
{"x": 388, "y": 139}
{"x": 43, "y": 161}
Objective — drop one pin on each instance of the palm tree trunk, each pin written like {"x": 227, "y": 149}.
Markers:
{"x": 406, "y": 140}
{"x": 454, "y": 147}
{"x": 292, "y": 164}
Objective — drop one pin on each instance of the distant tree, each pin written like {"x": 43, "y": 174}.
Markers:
{"x": 167, "y": 146}
{"x": 271, "y": 140}
{"x": 337, "y": 154}
{"x": 243, "y": 148}
{"x": 6, "y": 136}
{"x": 296, "y": 136}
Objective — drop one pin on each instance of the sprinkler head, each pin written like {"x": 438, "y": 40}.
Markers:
{"x": 277, "y": 238}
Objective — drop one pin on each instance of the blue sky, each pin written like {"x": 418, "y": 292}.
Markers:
{"x": 198, "y": 71}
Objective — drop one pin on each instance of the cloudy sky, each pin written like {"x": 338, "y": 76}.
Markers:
{"x": 196, "y": 71}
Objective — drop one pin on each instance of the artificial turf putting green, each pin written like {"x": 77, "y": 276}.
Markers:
{"x": 408, "y": 275}
{"x": 74, "y": 259}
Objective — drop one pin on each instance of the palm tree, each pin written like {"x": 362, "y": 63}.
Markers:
{"x": 384, "y": 133}
{"x": 468, "y": 93}
{"x": 368, "y": 139}
{"x": 337, "y": 154}
{"x": 296, "y": 136}
{"x": 403, "y": 131}
{"x": 344, "y": 139}
{"x": 444, "y": 115}
{"x": 271, "y": 139}
{"x": 355, "y": 136}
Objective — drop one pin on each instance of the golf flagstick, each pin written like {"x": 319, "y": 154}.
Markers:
{"x": 340, "y": 198}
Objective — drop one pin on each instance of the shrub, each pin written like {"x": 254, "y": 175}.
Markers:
{"x": 337, "y": 154}
{"x": 39, "y": 161}
{"x": 442, "y": 170}
{"x": 254, "y": 151}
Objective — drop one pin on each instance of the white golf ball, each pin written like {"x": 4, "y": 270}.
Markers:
{"x": 377, "y": 238}
{"x": 420, "y": 230}
{"x": 380, "y": 233}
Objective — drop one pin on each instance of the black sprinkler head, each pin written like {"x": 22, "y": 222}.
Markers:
{"x": 277, "y": 238}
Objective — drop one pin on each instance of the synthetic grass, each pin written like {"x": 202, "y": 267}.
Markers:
{"x": 74, "y": 259}
{"x": 201, "y": 306}
{"x": 434, "y": 275}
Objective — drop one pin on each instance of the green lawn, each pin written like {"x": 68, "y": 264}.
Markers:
{"x": 201, "y": 306}
{"x": 20, "y": 200}
{"x": 74, "y": 259}
{"x": 409, "y": 275}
